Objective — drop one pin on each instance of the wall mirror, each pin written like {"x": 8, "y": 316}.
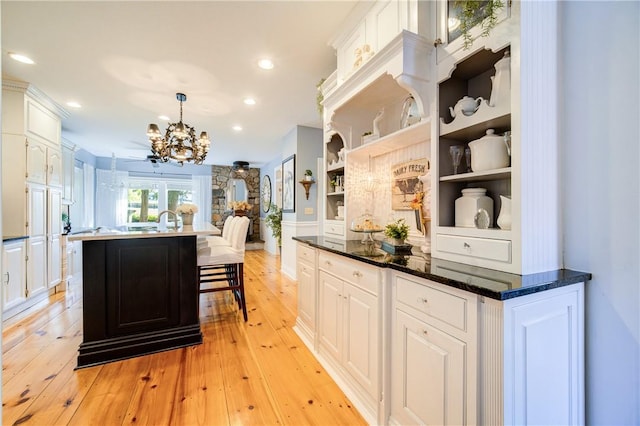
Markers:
{"x": 237, "y": 190}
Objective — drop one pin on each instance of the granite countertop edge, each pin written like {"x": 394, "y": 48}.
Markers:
{"x": 534, "y": 283}
{"x": 9, "y": 238}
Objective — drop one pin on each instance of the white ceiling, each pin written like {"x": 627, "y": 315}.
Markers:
{"x": 124, "y": 62}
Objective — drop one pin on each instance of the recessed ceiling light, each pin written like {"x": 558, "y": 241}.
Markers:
{"x": 21, "y": 58}
{"x": 265, "y": 64}
{"x": 74, "y": 104}
{"x": 163, "y": 117}
{"x": 249, "y": 101}
{"x": 237, "y": 128}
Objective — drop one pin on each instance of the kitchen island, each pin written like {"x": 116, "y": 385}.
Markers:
{"x": 140, "y": 292}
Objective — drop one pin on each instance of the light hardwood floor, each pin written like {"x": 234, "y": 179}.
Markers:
{"x": 254, "y": 373}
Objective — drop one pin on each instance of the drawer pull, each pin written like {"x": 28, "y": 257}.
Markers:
{"x": 466, "y": 245}
{"x": 326, "y": 262}
{"x": 357, "y": 274}
{"x": 422, "y": 300}
{"x": 425, "y": 333}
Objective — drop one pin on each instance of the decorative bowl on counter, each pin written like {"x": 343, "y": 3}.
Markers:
{"x": 489, "y": 152}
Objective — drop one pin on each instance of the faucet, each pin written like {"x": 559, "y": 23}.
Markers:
{"x": 175, "y": 217}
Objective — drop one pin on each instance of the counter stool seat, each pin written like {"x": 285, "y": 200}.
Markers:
{"x": 221, "y": 263}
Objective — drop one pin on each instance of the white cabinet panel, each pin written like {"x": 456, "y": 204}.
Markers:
{"x": 37, "y": 169}
{"x": 54, "y": 167}
{"x": 68, "y": 174}
{"x": 330, "y": 316}
{"x": 37, "y": 266}
{"x": 429, "y": 374}
{"x": 14, "y": 270}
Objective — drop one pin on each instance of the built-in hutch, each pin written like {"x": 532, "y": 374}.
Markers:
{"x": 445, "y": 338}
{"x": 32, "y": 173}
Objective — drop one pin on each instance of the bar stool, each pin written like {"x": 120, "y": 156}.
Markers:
{"x": 221, "y": 263}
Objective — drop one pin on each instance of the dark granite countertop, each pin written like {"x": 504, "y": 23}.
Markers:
{"x": 7, "y": 238}
{"x": 486, "y": 282}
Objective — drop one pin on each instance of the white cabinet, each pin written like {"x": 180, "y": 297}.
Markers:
{"x": 54, "y": 234}
{"x": 306, "y": 276}
{"x": 14, "y": 278}
{"x": 37, "y": 231}
{"x": 433, "y": 361}
{"x": 349, "y": 329}
{"x": 44, "y": 164}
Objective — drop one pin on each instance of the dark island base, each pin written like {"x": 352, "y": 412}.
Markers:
{"x": 119, "y": 348}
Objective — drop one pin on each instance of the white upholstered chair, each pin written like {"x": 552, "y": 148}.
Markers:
{"x": 222, "y": 263}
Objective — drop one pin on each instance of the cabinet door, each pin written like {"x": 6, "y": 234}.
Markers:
{"x": 54, "y": 167}
{"x": 330, "y": 316}
{"x": 306, "y": 294}
{"x": 428, "y": 375}
{"x": 361, "y": 336}
{"x": 54, "y": 260}
{"x": 36, "y": 162}
{"x": 13, "y": 280}
{"x": 37, "y": 259}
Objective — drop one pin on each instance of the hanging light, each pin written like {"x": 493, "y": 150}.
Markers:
{"x": 179, "y": 142}
{"x": 241, "y": 166}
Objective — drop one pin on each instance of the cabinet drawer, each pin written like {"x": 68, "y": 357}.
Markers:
{"x": 334, "y": 228}
{"x": 307, "y": 254}
{"x": 482, "y": 248}
{"x": 358, "y": 273}
{"x": 433, "y": 302}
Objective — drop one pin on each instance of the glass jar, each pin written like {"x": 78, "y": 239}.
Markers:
{"x": 472, "y": 200}
{"x": 366, "y": 223}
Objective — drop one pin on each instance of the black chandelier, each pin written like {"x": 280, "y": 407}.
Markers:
{"x": 179, "y": 142}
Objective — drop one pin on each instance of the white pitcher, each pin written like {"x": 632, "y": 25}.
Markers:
{"x": 501, "y": 82}
{"x": 504, "y": 218}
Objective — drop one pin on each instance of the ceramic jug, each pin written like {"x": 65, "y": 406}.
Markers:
{"x": 504, "y": 218}
{"x": 501, "y": 82}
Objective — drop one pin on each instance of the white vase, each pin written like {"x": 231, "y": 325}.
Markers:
{"x": 187, "y": 218}
{"x": 504, "y": 218}
{"x": 468, "y": 205}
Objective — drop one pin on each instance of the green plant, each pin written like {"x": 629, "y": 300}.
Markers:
{"x": 274, "y": 221}
{"x": 474, "y": 12}
{"x": 308, "y": 172}
{"x": 65, "y": 217}
{"x": 398, "y": 230}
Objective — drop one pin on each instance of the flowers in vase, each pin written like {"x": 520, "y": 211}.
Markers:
{"x": 187, "y": 208}
{"x": 240, "y": 205}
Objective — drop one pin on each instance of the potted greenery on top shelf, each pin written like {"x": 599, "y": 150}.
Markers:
{"x": 474, "y": 12}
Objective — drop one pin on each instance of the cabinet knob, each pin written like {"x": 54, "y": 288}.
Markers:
{"x": 7, "y": 274}
{"x": 327, "y": 263}
{"x": 437, "y": 42}
{"x": 422, "y": 300}
{"x": 357, "y": 274}
{"x": 425, "y": 333}
{"x": 466, "y": 245}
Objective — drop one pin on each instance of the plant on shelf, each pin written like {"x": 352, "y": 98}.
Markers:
{"x": 398, "y": 231}
{"x": 308, "y": 175}
{"x": 274, "y": 221}
{"x": 474, "y": 12}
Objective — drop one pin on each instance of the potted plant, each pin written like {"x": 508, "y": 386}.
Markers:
{"x": 308, "y": 175}
{"x": 474, "y": 12}
{"x": 274, "y": 221}
{"x": 397, "y": 231}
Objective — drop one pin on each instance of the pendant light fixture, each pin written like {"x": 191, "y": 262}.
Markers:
{"x": 179, "y": 142}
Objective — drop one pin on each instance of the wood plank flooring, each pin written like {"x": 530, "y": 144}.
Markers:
{"x": 253, "y": 373}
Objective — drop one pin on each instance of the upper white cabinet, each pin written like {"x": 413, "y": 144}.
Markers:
{"x": 521, "y": 103}
{"x": 364, "y": 114}
{"x": 44, "y": 164}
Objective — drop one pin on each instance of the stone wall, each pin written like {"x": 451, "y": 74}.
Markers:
{"x": 220, "y": 209}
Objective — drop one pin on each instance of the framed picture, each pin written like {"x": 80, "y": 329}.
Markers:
{"x": 288, "y": 184}
{"x": 405, "y": 182}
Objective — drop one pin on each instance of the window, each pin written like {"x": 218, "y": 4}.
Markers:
{"x": 147, "y": 197}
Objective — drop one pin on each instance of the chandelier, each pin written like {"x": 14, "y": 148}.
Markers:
{"x": 179, "y": 142}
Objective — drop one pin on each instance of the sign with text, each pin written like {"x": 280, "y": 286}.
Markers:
{"x": 405, "y": 183}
